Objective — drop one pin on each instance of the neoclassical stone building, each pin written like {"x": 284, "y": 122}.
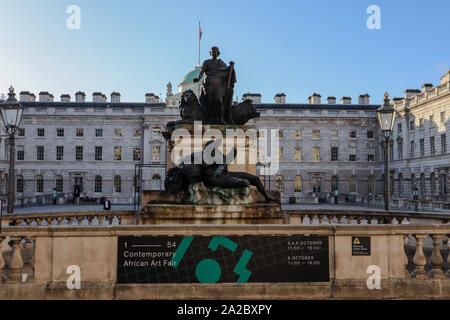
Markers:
{"x": 420, "y": 153}
{"x": 324, "y": 145}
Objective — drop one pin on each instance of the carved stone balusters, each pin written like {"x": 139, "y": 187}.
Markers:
{"x": 436, "y": 258}
{"x": 119, "y": 219}
{"x": 419, "y": 258}
{"x": 406, "y": 241}
{"x": 100, "y": 220}
{"x": 339, "y": 218}
{"x": 320, "y": 217}
{"x": 16, "y": 263}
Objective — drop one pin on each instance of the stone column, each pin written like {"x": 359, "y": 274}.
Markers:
{"x": 16, "y": 264}
{"x": 436, "y": 258}
{"x": 419, "y": 258}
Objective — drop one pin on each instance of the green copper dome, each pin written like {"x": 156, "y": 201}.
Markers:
{"x": 189, "y": 78}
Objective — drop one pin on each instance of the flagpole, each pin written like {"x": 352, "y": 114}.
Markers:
{"x": 199, "y": 43}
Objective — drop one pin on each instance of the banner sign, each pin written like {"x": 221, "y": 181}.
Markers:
{"x": 220, "y": 259}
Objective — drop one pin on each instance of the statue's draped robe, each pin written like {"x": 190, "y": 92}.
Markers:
{"x": 215, "y": 96}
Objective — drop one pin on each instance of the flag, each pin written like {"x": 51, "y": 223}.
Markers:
{"x": 200, "y": 33}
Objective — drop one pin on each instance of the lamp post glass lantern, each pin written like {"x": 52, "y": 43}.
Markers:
{"x": 386, "y": 117}
{"x": 11, "y": 111}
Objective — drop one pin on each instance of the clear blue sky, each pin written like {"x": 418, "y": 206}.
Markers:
{"x": 296, "y": 47}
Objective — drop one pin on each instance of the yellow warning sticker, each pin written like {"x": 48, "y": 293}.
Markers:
{"x": 356, "y": 241}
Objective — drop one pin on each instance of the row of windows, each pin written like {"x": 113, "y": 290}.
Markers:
{"x": 316, "y": 134}
{"x": 98, "y": 184}
{"x": 98, "y": 132}
{"x": 412, "y": 123}
{"x": 79, "y": 153}
{"x": 317, "y": 181}
{"x": 422, "y": 147}
{"x": 316, "y": 154}
{"x": 437, "y": 185}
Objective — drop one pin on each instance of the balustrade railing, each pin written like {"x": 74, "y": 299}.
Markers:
{"x": 70, "y": 218}
{"x": 426, "y": 248}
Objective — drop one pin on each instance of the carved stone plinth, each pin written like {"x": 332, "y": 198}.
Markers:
{"x": 212, "y": 214}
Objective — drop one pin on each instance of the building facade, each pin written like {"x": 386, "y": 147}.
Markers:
{"x": 420, "y": 155}
{"x": 323, "y": 145}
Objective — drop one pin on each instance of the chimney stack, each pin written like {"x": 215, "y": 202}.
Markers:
{"x": 65, "y": 98}
{"x": 331, "y": 100}
{"x": 80, "y": 96}
{"x": 115, "y": 97}
{"x": 254, "y": 97}
{"x": 427, "y": 86}
{"x": 364, "y": 99}
{"x": 25, "y": 96}
{"x": 44, "y": 96}
{"x": 411, "y": 92}
{"x": 150, "y": 98}
{"x": 314, "y": 99}
{"x": 97, "y": 97}
{"x": 279, "y": 98}
{"x": 346, "y": 100}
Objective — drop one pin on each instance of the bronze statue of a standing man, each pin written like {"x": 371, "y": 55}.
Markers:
{"x": 217, "y": 93}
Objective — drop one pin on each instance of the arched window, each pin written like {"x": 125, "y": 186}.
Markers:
{"x": 353, "y": 182}
{"x": 156, "y": 182}
{"x": 432, "y": 184}
{"x": 400, "y": 184}
{"x": 98, "y": 184}
{"x": 59, "y": 184}
{"x": 117, "y": 184}
{"x": 298, "y": 184}
{"x": 371, "y": 184}
{"x": 39, "y": 184}
{"x": 19, "y": 184}
{"x": 279, "y": 183}
{"x": 334, "y": 183}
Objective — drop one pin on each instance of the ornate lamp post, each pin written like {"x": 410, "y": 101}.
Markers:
{"x": 386, "y": 117}
{"x": 11, "y": 111}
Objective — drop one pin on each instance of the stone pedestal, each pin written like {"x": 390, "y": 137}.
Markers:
{"x": 213, "y": 214}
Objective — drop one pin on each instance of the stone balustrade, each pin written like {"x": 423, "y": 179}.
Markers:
{"x": 70, "y": 218}
{"x": 363, "y": 217}
{"x": 38, "y": 257}
{"x": 303, "y": 217}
